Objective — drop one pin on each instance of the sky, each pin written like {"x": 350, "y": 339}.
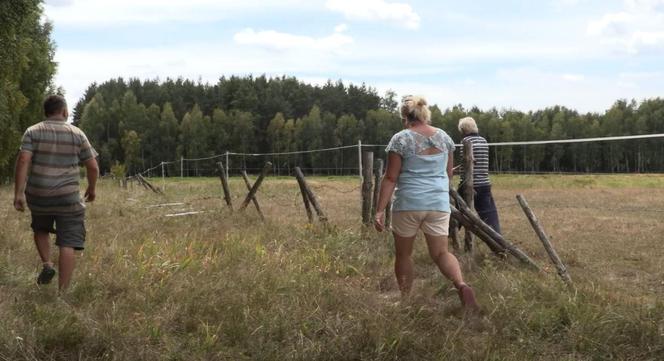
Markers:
{"x": 518, "y": 54}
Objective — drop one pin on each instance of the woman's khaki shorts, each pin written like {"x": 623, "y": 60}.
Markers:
{"x": 407, "y": 223}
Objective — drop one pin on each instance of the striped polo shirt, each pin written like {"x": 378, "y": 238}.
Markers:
{"x": 481, "y": 164}
{"x": 57, "y": 150}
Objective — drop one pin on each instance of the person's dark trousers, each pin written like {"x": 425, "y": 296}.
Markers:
{"x": 486, "y": 207}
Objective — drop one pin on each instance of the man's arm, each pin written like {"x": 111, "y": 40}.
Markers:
{"x": 23, "y": 161}
{"x": 92, "y": 170}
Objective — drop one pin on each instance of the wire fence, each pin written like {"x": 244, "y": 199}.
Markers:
{"x": 522, "y": 157}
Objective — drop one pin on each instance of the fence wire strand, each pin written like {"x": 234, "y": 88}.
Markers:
{"x": 360, "y": 146}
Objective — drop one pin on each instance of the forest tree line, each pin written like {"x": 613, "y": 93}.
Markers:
{"x": 142, "y": 123}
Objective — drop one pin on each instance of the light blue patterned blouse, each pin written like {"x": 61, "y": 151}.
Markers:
{"x": 423, "y": 184}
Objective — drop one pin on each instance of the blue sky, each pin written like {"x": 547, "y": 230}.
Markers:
{"x": 527, "y": 55}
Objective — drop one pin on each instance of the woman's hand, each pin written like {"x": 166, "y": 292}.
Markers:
{"x": 379, "y": 221}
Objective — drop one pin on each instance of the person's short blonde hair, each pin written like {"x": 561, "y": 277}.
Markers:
{"x": 414, "y": 108}
{"x": 467, "y": 125}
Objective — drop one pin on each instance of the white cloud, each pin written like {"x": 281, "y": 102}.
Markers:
{"x": 639, "y": 26}
{"x": 271, "y": 39}
{"x": 59, "y": 2}
{"x": 531, "y": 88}
{"x": 376, "y": 10}
{"x": 340, "y": 28}
{"x": 118, "y": 12}
{"x": 79, "y": 68}
{"x": 573, "y": 77}
{"x": 449, "y": 68}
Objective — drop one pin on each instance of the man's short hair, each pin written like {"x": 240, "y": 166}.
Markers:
{"x": 54, "y": 104}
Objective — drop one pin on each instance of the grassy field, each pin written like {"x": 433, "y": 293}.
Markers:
{"x": 222, "y": 286}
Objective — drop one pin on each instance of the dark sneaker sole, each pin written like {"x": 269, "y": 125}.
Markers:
{"x": 45, "y": 276}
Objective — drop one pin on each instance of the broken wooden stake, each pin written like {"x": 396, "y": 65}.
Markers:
{"x": 184, "y": 214}
{"x": 224, "y": 185}
{"x": 254, "y": 188}
{"x": 310, "y": 195}
{"x": 253, "y": 199}
{"x": 165, "y": 205}
{"x": 553, "y": 255}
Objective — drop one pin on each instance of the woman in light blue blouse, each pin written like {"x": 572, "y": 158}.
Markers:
{"x": 419, "y": 171}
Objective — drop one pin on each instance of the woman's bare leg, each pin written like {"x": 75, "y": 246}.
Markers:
{"x": 446, "y": 261}
{"x": 403, "y": 263}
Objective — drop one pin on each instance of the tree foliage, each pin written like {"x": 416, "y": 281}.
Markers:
{"x": 26, "y": 71}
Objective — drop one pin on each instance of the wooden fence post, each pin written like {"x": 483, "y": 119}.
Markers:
{"x": 468, "y": 189}
{"x": 454, "y": 228}
{"x": 359, "y": 158}
{"x": 553, "y": 255}
{"x": 254, "y": 188}
{"x": 253, "y": 199}
{"x": 227, "y": 164}
{"x": 388, "y": 215}
{"x": 367, "y": 194}
{"x": 163, "y": 177}
{"x": 310, "y": 194}
{"x": 378, "y": 179}
{"x": 224, "y": 185}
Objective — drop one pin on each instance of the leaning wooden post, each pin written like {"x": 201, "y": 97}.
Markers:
{"x": 305, "y": 198}
{"x": 468, "y": 189}
{"x": 224, "y": 185}
{"x": 367, "y": 194}
{"x": 148, "y": 185}
{"x": 469, "y": 225}
{"x": 254, "y": 188}
{"x": 498, "y": 238}
{"x": 562, "y": 270}
{"x": 253, "y": 199}
{"x": 378, "y": 176}
{"x": 310, "y": 194}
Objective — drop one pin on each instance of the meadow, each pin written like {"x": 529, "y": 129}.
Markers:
{"x": 225, "y": 286}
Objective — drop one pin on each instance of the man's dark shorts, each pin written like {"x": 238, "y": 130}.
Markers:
{"x": 69, "y": 230}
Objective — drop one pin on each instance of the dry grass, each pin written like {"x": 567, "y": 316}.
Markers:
{"x": 224, "y": 286}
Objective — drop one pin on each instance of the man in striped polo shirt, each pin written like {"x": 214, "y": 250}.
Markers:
{"x": 48, "y": 162}
{"x": 484, "y": 203}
